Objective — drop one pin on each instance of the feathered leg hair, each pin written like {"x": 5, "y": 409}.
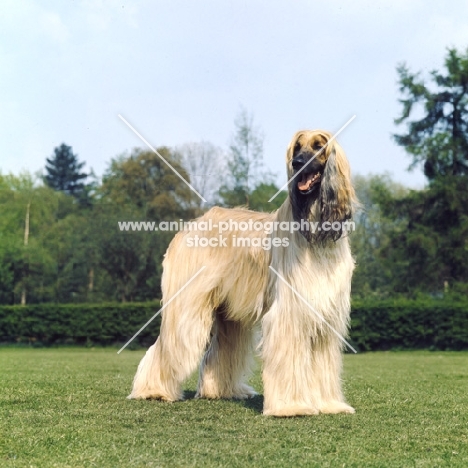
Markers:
{"x": 301, "y": 350}
{"x": 301, "y": 313}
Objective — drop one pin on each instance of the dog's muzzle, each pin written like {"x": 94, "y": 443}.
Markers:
{"x": 309, "y": 176}
{"x": 298, "y": 163}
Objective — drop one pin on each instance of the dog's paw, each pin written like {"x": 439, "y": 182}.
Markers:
{"x": 290, "y": 411}
{"x": 212, "y": 391}
{"x": 154, "y": 396}
{"x": 244, "y": 392}
{"x": 335, "y": 407}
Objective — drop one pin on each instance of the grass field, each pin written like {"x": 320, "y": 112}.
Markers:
{"x": 67, "y": 408}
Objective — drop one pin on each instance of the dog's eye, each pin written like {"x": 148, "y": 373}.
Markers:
{"x": 317, "y": 146}
{"x": 297, "y": 147}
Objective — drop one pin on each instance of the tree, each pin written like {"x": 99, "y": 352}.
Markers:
{"x": 433, "y": 244}
{"x": 145, "y": 181}
{"x": 28, "y": 248}
{"x": 259, "y": 197}
{"x": 139, "y": 187}
{"x": 429, "y": 250}
{"x": 10, "y": 246}
{"x": 205, "y": 165}
{"x": 374, "y": 275}
{"x": 63, "y": 172}
{"x": 244, "y": 161}
{"x": 439, "y": 141}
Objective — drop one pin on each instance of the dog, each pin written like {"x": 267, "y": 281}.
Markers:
{"x": 294, "y": 288}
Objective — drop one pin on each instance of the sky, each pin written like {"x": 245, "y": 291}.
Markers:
{"x": 181, "y": 71}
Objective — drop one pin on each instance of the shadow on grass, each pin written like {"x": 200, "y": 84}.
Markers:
{"x": 189, "y": 394}
{"x": 255, "y": 403}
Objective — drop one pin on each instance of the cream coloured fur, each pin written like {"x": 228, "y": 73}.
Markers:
{"x": 221, "y": 311}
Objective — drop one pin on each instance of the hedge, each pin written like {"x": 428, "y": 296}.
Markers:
{"x": 375, "y": 325}
{"x": 105, "y": 324}
{"x": 409, "y": 324}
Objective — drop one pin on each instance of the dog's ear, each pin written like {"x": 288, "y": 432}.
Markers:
{"x": 337, "y": 196}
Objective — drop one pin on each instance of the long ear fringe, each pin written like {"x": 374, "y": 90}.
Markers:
{"x": 337, "y": 197}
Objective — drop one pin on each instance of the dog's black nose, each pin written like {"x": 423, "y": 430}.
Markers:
{"x": 298, "y": 162}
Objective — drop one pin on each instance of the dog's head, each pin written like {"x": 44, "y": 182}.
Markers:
{"x": 320, "y": 182}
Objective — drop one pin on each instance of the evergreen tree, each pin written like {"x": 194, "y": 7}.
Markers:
{"x": 63, "y": 172}
{"x": 431, "y": 246}
{"x": 440, "y": 139}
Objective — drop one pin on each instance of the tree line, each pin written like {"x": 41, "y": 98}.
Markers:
{"x": 60, "y": 240}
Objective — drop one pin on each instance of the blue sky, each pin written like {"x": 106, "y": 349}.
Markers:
{"x": 181, "y": 71}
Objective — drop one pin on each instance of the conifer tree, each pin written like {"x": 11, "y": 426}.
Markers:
{"x": 63, "y": 171}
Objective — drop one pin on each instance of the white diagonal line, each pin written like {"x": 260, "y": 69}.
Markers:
{"x": 312, "y": 309}
{"x": 156, "y": 152}
{"x": 161, "y": 309}
{"x": 319, "y": 152}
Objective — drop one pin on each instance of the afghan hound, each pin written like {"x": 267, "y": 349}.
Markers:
{"x": 297, "y": 292}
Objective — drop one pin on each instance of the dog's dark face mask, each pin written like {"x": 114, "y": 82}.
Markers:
{"x": 306, "y": 166}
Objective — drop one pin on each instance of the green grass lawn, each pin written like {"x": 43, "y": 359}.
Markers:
{"x": 67, "y": 408}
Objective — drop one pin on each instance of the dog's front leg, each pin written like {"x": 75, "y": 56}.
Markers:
{"x": 288, "y": 380}
{"x": 327, "y": 359}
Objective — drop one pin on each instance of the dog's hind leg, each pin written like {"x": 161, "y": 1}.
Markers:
{"x": 228, "y": 361}
{"x": 185, "y": 331}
